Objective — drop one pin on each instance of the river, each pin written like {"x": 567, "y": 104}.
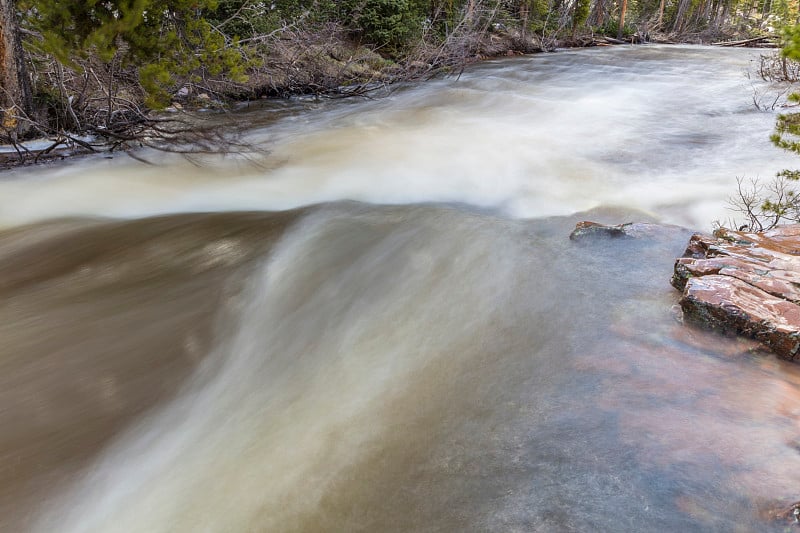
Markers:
{"x": 380, "y": 324}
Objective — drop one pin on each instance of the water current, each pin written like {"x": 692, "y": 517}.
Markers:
{"x": 380, "y": 323}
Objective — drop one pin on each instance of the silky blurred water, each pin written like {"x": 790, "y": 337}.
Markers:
{"x": 436, "y": 357}
{"x": 665, "y": 129}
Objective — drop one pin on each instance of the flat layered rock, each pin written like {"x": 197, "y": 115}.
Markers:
{"x": 747, "y": 283}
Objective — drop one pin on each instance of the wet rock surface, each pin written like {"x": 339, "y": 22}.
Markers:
{"x": 745, "y": 283}
{"x": 789, "y": 515}
{"x": 592, "y": 230}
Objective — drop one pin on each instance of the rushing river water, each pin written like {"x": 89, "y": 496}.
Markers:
{"x": 436, "y": 355}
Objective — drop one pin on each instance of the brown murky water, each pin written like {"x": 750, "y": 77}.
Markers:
{"x": 360, "y": 367}
{"x": 373, "y": 368}
{"x": 101, "y": 321}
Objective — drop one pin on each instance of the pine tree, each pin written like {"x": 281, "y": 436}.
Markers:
{"x": 580, "y": 14}
{"x": 168, "y": 40}
{"x": 787, "y": 127}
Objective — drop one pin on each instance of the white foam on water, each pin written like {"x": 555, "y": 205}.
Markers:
{"x": 334, "y": 331}
{"x": 665, "y": 130}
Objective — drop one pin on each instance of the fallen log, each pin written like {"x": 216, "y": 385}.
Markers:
{"x": 744, "y": 42}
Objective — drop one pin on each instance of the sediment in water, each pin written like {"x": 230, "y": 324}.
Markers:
{"x": 372, "y": 368}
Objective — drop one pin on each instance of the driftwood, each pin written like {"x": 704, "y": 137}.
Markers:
{"x": 764, "y": 39}
{"x": 587, "y": 41}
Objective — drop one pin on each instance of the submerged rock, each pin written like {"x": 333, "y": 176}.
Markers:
{"x": 747, "y": 283}
{"x": 790, "y": 515}
{"x": 593, "y": 229}
{"x": 587, "y": 229}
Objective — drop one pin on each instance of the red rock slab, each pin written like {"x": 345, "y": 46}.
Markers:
{"x": 782, "y": 238}
{"x": 748, "y": 246}
{"x": 745, "y": 282}
{"x": 776, "y": 282}
{"x": 730, "y": 304}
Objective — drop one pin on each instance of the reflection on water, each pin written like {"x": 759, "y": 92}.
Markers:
{"x": 417, "y": 367}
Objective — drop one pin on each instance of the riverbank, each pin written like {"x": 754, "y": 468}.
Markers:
{"x": 374, "y": 367}
{"x": 507, "y": 134}
{"x": 326, "y": 65}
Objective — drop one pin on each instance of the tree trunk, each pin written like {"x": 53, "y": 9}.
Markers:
{"x": 524, "y": 10}
{"x": 661, "y": 14}
{"x": 15, "y": 93}
{"x": 470, "y": 10}
{"x": 679, "y": 23}
{"x": 598, "y": 17}
{"x": 601, "y": 15}
{"x": 621, "y": 18}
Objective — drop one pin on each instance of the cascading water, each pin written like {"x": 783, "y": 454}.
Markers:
{"x": 413, "y": 367}
{"x": 662, "y": 129}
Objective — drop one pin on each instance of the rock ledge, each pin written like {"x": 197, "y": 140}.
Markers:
{"x": 747, "y": 283}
